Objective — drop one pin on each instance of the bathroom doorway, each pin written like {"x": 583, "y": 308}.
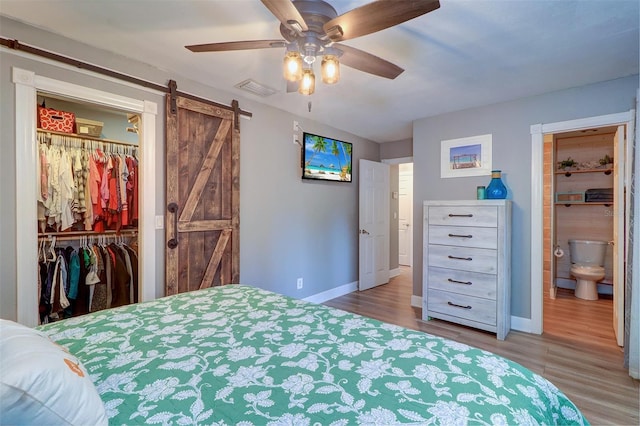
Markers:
{"x": 581, "y": 199}
{"x": 542, "y": 259}
{"x": 581, "y": 171}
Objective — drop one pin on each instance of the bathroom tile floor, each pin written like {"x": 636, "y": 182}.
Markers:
{"x": 577, "y": 351}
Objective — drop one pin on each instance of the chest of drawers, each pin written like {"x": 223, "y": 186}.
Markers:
{"x": 467, "y": 263}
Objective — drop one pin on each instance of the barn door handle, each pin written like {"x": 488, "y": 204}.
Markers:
{"x": 173, "y": 243}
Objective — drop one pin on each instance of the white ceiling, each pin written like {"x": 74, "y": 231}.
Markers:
{"x": 465, "y": 54}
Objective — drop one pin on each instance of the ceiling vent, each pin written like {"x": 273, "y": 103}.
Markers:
{"x": 256, "y": 88}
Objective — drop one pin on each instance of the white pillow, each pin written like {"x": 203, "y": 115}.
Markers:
{"x": 42, "y": 383}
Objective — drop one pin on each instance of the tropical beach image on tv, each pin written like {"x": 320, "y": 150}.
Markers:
{"x": 326, "y": 159}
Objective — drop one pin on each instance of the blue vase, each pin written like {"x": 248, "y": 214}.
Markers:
{"x": 496, "y": 189}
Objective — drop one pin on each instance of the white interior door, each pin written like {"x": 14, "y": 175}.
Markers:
{"x": 405, "y": 215}
{"x": 619, "y": 235}
{"x": 374, "y": 225}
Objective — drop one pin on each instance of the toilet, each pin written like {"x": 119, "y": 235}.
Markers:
{"x": 587, "y": 265}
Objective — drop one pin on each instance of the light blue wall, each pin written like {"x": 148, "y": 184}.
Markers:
{"x": 114, "y": 124}
{"x": 397, "y": 149}
{"x": 292, "y": 228}
{"x": 509, "y": 123}
{"x": 288, "y": 228}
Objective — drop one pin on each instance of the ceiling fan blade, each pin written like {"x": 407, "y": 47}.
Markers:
{"x": 376, "y": 16}
{"x": 236, "y": 45}
{"x": 286, "y": 13}
{"x": 363, "y": 61}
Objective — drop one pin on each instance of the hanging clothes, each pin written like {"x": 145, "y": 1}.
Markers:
{"x": 79, "y": 278}
{"x": 85, "y": 188}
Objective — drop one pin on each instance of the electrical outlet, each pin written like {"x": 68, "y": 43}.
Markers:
{"x": 295, "y": 126}
{"x": 299, "y": 283}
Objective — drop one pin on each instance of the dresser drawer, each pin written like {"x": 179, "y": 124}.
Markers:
{"x": 462, "y": 282}
{"x": 486, "y": 216}
{"x": 461, "y": 306}
{"x": 464, "y": 236}
{"x": 463, "y": 258}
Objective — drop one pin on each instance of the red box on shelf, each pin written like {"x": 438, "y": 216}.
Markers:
{"x": 57, "y": 121}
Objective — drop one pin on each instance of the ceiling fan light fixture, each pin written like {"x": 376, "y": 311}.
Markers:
{"x": 308, "y": 83}
{"x": 292, "y": 69}
{"x": 330, "y": 69}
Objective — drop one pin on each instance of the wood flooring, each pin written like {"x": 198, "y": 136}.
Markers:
{"x": 577, "y": 351}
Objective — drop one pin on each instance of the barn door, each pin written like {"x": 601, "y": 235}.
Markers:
{"x": 203, "y": 191}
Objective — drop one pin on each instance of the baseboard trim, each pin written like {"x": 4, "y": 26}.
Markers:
{"x": 416, "y": 301}
{"x": 571, "y": 285}
{"x": 522, "y": 324}
{"x": 394, "y": 272}
{"x": 333, "y": 293}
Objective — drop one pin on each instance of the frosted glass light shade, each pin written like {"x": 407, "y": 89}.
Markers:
{"x": 330, "y": 69}
{"x": 292, "y": 67}
{"x": 308, "y": 83}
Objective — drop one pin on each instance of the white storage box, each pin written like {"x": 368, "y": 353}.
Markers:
{"x": 89, "y": 127}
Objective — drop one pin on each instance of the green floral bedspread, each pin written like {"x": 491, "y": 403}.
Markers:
{"x": 238, "y": 355}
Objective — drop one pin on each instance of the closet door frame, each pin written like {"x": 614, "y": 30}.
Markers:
{"x": 27, "y": 85}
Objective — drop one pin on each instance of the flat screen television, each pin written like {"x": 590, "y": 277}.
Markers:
{"x": 325, "y": 158}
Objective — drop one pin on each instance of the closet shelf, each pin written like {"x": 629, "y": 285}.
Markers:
{"x": 87, "y": 137}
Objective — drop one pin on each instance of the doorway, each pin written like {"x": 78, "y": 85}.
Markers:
{"x": 581, "y": 193}
{"x": 405, "y": 214}
{"x": 625, "y": 123}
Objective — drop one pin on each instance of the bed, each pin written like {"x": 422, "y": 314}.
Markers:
{"x": 239, "y": 355}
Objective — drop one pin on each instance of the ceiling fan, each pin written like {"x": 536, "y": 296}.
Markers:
{"x": 312, "y": 28}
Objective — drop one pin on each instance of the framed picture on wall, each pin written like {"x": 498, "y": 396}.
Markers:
{"x": 465, "y": 157}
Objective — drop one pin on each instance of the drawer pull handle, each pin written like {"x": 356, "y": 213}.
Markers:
{"x": 458, "y": 306}
{"x": 459, "y": 282}
{"x": 459, "y": 258}
{"x": 460, "y": 215}
{"x": 461, "y": 236}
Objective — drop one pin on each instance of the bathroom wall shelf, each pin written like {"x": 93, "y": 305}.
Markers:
{"x": 568, "y": 173}
{"x": 590, "y": 203}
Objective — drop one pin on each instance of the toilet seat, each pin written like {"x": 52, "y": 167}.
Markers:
{"x": 588, "y": 270}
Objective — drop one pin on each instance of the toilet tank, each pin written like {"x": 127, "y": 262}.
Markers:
{"x": 586, "y": 252}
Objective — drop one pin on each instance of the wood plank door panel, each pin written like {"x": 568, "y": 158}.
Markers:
{"x": 202, "y": 196}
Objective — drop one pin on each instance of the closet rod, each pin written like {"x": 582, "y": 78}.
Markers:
{"x": 89, "y": 138}
{"x": 74, "y": 235}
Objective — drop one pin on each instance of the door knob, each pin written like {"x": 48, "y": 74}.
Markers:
{"x": 364, "y": 232}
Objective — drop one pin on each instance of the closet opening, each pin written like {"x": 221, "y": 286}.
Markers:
{"x": 35, "y": 230}
{"x": 88, "y": 208}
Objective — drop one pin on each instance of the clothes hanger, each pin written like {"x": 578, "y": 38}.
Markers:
{"x": 41, "y": 253}
{"x": 52, "y": 250}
